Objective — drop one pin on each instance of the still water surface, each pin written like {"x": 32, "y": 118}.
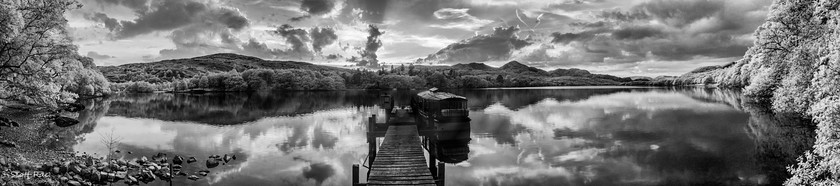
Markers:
{"x": 546, "y": 136}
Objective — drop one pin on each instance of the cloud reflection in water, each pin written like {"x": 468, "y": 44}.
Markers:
{"x": 296, "y": 150}
{"x": 623, "y": 138}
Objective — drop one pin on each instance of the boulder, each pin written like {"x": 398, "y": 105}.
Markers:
{"x": 130, "y": 180}
{"x": 95, "y": 176}
{"x": 76, "y": 169}
{"x": 120, "y": 175}
{"x": 177, "y": 160}
{"x": 211, "y": 163}
{"x": 193, "y": 177}
{"x": 165, "y": 176}
{"x": 191, "y": 160}
{"x": 62, "y": 121}
{"x": 122, "y": 162}
{"x": 227, "y": 158}
{"x": 147, "y": 176}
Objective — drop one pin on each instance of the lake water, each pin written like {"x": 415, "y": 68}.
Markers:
{"x": 544, "y": 136}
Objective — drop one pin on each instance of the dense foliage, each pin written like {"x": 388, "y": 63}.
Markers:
{"x": 249, "y": 80}
{"x": 176, "y": 69}
{"x": 40, "y": 65}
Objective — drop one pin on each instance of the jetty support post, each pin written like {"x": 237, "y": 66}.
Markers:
{"x": 433, "y": 158}
{"x": 355, "y": 174}
{"x": 441, "y": 173}
{"x": 371, "y": 140}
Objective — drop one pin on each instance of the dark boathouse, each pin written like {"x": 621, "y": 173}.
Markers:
{"x": 440, "y": 106}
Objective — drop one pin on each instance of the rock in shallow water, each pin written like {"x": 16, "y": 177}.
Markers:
{"x": 177, "y": 160}
{"x": 62, "y": 121}
{"x": 227, "y": 158}
{"x": 211, "y": 163}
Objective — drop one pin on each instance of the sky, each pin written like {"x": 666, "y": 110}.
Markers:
{"x": 618, "y": 37}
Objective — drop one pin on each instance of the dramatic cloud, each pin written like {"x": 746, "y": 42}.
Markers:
{"x": 371, "y": 11}
{"x": 172, "y": 14}
{"x": 636, "y": 33}
{"x": 303, "y": 44}
{"x": 257, "y": 49}
{"x": 314, "y": 8}
{"x": 197, "y": 27}
{"x": 458, "y": 18}
{"x": 490, "y": 47}
{"x": 98, "y": 56}
{"x": 368, "y": 54}
{"x": 658, "y": 30}
{"x": 297, "y": 38}
{"x": 322, "y": 37}
{"x": 110, "y": 23}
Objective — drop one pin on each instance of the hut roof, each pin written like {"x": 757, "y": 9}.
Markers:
{"x": 435, "y": 95}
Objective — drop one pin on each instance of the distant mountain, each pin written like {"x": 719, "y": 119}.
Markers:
{"x": 473, "y": 66}
{"x": 515, "y": 66}
{"x": 168, "y": 70}
{"x": 569, "y": 72}
{"x": 519, "y": 68}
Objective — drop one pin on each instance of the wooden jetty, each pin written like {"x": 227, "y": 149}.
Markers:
{"x": 400, "y": 159}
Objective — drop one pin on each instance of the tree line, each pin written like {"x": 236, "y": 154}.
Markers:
{"x": 395, "y": 77}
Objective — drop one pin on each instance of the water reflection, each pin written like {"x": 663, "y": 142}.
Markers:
{"x": 286, "y": 150}
{"x": 451, "y": 142}
{"x": 631, "y": 137}
{"x": 234, "y": 108}
{"x": 613, "y": 136}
